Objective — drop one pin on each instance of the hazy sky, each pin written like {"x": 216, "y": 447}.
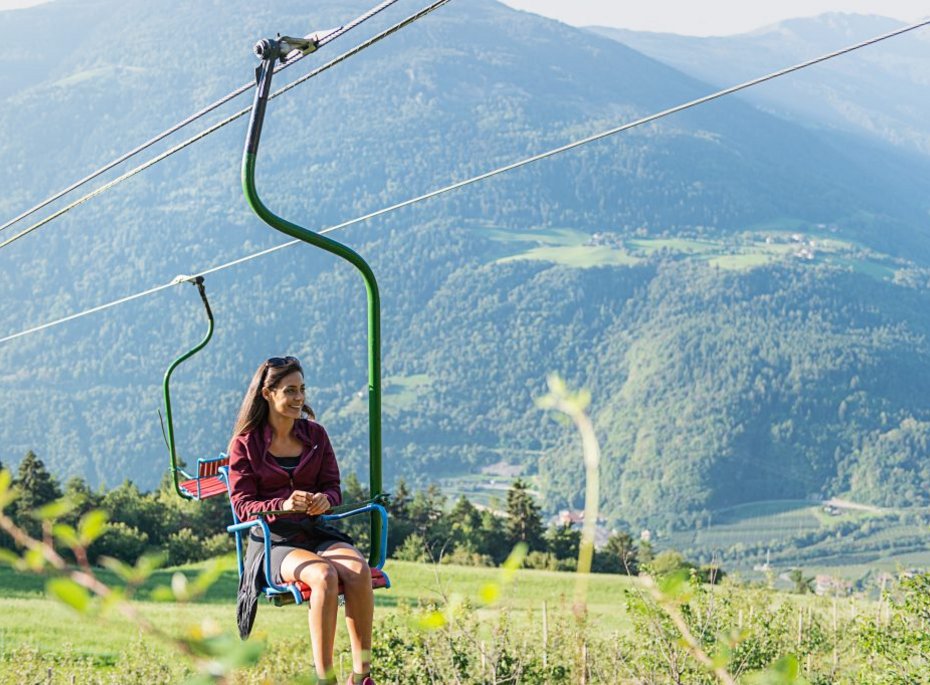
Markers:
{"x": 710, "y": 17}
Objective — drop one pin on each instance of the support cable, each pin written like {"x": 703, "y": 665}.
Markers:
{"x": 481, "y": 177}
{"x": 327, "y": 38}
{"x": 228, "y": 120}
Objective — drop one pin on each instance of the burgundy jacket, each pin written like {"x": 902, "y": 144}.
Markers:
{"x": 258, "y": 484}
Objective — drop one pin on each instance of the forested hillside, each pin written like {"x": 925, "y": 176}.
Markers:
{"x": 745, "y": 298}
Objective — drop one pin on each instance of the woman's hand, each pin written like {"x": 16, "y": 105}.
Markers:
{"x": 313, "y": 503}
{"x": 298, "y": 501}
{"x": 319, "y": 504}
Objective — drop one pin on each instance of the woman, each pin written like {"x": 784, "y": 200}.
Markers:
{"x": 279, "y": 461}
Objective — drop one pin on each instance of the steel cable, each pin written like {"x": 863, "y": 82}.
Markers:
{"x": 329, "y": 37}
{"x": 228, "y": 120}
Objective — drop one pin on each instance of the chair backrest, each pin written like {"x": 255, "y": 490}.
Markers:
{"x": 207, "y": 482}
{"x": 211, "y": 467}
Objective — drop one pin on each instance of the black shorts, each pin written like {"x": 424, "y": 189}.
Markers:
{"x": 288, "y": 535}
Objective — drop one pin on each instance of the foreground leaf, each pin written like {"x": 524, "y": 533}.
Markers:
{"x": 67, "y": 591}
{"x": 54, "y": 510}
{"x": 66, "y": 534}
{"x": 93, "y": 524}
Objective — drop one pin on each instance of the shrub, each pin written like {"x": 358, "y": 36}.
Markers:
{"x": 465, "y": 557}
{"x": 413, "y": 549}
{"x": 218, "y": 545}
{"x": 541, "y": 561}
{"x": 120, "y": 541}
{"x": 184, "y": 546}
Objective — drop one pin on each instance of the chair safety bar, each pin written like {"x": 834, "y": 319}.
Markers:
{"x": 238, "y": 528}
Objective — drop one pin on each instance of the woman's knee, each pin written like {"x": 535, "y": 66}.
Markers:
{"x": 320, "y": 576}
{"x": 356, "y": 573}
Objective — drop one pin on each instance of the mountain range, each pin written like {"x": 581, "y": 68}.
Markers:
{"x": 742, "y": 287}
{"x": 878, "y": 92}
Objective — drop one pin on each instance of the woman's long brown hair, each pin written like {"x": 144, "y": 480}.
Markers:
{"x": 254, "y": 410}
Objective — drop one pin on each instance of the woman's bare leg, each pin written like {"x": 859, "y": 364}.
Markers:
{"x": 353, "y": 571}
{"x": 321, "y": 577}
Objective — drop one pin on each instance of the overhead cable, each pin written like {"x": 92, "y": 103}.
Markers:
{"x": 489, "y": 174}
{"x": 228, "y": 120}
{"x": 327, "y": 38}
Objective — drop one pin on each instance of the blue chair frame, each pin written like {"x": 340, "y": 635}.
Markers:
{"x": 285, "y": 594}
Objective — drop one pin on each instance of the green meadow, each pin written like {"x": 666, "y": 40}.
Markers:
{"x": 803, "y": 534}
{"x": 41, "y": 640}
{"x": 758, "y": 247}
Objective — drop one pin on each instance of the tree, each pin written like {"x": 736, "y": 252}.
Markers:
{"x": 669, "y": 562}
{"x": 142, "y": 512}
{"x": 524, "y": 522}
{"x": 802, "y": 584}
{"x": 359, "y": 527}
{"x": 79, "y": 493}
{"x": 466, "y": 525}
{"x": 36, "y": 487}
{"x": 82, "y": 499}
{"x": 427, "y": 517}
{"x": 400, "y": 500}
{"x": 563, "y": 541}
{"x": 120, "y": 541}
{"x": 399, "y": 512}
{"x": 493, "y": 537}
{"x": 618, "y": 555}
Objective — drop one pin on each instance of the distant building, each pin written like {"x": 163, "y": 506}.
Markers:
{"x": 767, "y": 566}
{"x": 575, "y": 519}
{"x": 567, "y": 517}
{"x": 825, "y": 585}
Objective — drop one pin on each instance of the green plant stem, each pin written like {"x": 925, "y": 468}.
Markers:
{"x": 573, "y": 407}
{"x": 690, "y": 642}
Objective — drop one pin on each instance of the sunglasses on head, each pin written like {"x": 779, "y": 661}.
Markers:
{"x": 281, "y": 361}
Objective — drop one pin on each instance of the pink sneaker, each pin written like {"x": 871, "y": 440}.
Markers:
{"x": 367, "y": 681}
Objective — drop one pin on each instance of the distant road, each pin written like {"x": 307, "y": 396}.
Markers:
{"x": 846, "y": 504}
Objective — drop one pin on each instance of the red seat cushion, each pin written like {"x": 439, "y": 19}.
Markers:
{"x": 209, "y": 487}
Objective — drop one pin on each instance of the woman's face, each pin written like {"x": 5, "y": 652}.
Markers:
{"x": 286, "y": 399}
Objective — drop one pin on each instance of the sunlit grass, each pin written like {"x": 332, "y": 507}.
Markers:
{"x": 29, "y": 619}
{"x": 577, "y": 256}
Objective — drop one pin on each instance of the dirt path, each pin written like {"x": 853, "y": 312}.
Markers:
{"x": 846, "y": 504}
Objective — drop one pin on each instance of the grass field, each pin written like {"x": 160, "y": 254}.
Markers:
{"x": 399, "y": 393}
{"x": 786, "y": 241}
{"x": 578, "y": 256}
{"x": 32, "y": 624}
{"x": 890, "y": 543}
{"x": 43, "y": 642}
{"x": 680, "y": 245}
